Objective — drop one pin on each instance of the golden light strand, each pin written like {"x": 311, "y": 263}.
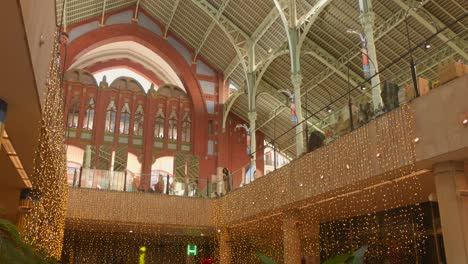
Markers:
{"x": 44, "y": 225}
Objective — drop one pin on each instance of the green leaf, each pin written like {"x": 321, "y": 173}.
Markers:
{"x": 340, "y": 259}
{"x": 265, "y": 259}
{"x": 15, "y": 250}
{"x": 356, "y": 257}
{"x": 359, "y": 255}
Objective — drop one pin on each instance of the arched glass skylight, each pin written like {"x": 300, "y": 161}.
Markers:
{"x": 115, "y": 73}
{"x": 135, "y": 52}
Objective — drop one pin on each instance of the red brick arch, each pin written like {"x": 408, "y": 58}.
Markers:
{"x": 133, "y": 32}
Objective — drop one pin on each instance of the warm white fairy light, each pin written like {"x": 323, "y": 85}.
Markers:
{"x": 44, "y": 224}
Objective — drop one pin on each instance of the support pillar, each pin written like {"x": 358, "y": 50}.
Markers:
{"x": 367, "y": 19}
{"x": 111, "y": 170}
{"x": 312, "y": 248}
{"x": 251, "y": 93}
{"x": 291, "y": 240}
{"x": 87, "y": 162}
{"x": 450, "y": 178}
{"x": 296, "y": 78}
{"x": 253, "y": 139}
{"x": 225, "y": 247}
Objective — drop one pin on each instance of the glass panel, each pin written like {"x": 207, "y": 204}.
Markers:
{"x": 159, "y": 128}
{"x": 110, "y": 118}
{"x": 73, "y": 113}
{"x": 88, "y": 121}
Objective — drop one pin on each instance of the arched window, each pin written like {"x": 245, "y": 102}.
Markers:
{"x": 172, "y": 126}
{"x": 74, "y": 113}
{"x": 88, "y": 121}
{"x": 159, "y": 124}
{"x": 125, "y": 119}
{"x": 138, "y": 123}
{"x": 110, "y": 117}
{"x": 186, "y": 126}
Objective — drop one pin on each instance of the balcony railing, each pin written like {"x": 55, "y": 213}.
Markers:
{"x": 126, "y": 181}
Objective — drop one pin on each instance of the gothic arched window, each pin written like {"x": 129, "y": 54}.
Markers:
{"x": 159, "y": 124}
{"x": 88, "y": 121}
{"x": 138, "y": 122}
{"x": 186, "y": 126}
{"x": 74, "y": 113}
{"x": 125, "y": 119}
{"x": 172, "y": 126}
{"x": 110, "y": 117}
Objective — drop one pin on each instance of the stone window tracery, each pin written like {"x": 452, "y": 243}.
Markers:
{"x": 74, "y": 113}
{"x": 125, "y": 120}
{"x": 110, "y": 117}
{"x": 172, "y": 125}
{"x": 186, "y": 127}
{"x": 88, "y": 121}
{"x": 138, "y": 123}
{"x": 159, "y": 124}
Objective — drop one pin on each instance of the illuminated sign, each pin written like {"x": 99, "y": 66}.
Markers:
{"x": 191, "y": 250}
{"x": 142, "y": 255}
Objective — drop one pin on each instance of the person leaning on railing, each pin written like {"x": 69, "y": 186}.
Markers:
{"x": 159, "y": 187}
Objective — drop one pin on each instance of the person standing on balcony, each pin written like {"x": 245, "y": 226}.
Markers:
{"x": 227, "y": 179}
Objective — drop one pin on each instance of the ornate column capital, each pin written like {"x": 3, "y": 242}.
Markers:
{"x": 252, "y": 116}
{"x": 367, "y": 19}
{"x": 296, "y": 78}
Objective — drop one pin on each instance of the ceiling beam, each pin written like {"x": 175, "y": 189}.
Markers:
{"x": 389, "y": 24}
{"x": 272, "y": 115}
{"x": 174, "y": 10}
{"x": 381, "y": 30}
{"x": 445, "y": 37}
{"x": 256, "y": 36}
{"x": 228, "y": 105}
{"x": 231, "y": 67}
{"x": 103, "y": 13}
{"x": 135, "y": 16}
{"x": 210, "y": 28}
{"x": 236, "y": 36}
{"x": 64, "y": 14}
{"x": 306, "y": 21}
{"x": 312, "y": 48}
{"x": 265, "y": 25}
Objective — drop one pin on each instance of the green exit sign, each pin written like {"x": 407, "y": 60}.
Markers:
{"x": 191, "y": 250}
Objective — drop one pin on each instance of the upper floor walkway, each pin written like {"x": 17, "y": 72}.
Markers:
{"x": 394, "y": 147}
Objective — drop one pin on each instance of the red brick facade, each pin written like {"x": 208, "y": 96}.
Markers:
{"x": 229, "y": 147}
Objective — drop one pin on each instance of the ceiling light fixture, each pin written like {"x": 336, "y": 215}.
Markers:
{"x": 328, "y": 109}
{"x": 465, "y": 121}
{"x": 427, "y": 44}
